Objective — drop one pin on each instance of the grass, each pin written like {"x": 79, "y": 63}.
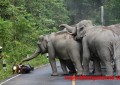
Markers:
{"x": 40, "y": 60}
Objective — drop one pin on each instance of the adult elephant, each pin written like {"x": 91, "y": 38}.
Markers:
{"x": 98, "y": 41}
{"x": 61, "y": 45}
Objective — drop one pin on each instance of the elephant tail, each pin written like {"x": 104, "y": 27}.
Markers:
{"x": 114, "y": 50}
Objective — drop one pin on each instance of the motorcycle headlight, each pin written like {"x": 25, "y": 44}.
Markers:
{"x": 14, "y": 67}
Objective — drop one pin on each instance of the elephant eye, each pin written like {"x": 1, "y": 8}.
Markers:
{"x": 81, "y": 28}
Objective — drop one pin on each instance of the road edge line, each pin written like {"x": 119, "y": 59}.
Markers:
{"x": 9, "y": 79}
{"x": 19, "y": 75}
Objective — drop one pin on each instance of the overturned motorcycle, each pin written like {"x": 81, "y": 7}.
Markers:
{"x": 22, "y": 69}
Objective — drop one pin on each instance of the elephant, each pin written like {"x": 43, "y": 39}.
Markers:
{"x": 99, "y": 42}
{"x": 63, "y": 46}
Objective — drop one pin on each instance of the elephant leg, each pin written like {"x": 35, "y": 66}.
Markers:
{"x": 76, "y": 60}
{"x": 63, "y": 66}
{"x": 91, "y": 67}
{"x": 79, "y": 67}
{"x": 114, "y": 65}
{"x": 70, "y": 66}
{"x": 109, "y": 69}
{"x": 106, "y": 59}
{"x": 117, "y": 60}
{"x": 86, "y": 58}
{"x": 52, "y": 59}
{"x": 53, "y": 66}
{"x": 97, "y": 67}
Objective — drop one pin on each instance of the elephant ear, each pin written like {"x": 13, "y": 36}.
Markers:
{"x": 81, "y": 31}
{"x": 70, "y": 29}
{"x": 40, "y": 39}
{"x": 46, "y": 38}
{"x": 82, "y": 26}
{"x": 45, "y": 41}
{"x": 39, "y": 47}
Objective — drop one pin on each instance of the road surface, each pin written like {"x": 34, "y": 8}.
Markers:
{"x": 41, "y": 76}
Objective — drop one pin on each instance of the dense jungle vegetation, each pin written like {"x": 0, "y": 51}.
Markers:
{"x": 23, "y": 21}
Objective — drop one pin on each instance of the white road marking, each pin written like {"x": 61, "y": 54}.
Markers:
{"x": 18, "y": 75}
{"x": 10, "y": 79}
{"x": 73, "y": 80}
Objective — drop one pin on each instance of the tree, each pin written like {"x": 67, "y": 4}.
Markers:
{"x": 112, "y": 11}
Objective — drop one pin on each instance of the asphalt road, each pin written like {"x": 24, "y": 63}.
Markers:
{"x": 41, "y": 76}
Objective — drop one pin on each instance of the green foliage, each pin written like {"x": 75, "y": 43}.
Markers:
{"x": 90, "y": 9}
{"x": 6, "y": 32}
{"x": 83, "y": 9}
{"x": 112, "y": 9}
{"x": 4, "y": 5}
{"x": 21, "y": 23}
{"x": 27, "y": 20}
{"x": 48, "y": 14}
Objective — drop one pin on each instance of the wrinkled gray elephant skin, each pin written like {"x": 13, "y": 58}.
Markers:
{"x": 62, "y": 45}
{"x": 101, "y": 42}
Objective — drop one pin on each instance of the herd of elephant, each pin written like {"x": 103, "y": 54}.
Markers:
{"x": 75, "y": 46}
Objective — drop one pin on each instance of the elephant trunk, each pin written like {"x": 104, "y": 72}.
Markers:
{"x": 34, "y": 55}
{"x": 72, "y": 30}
